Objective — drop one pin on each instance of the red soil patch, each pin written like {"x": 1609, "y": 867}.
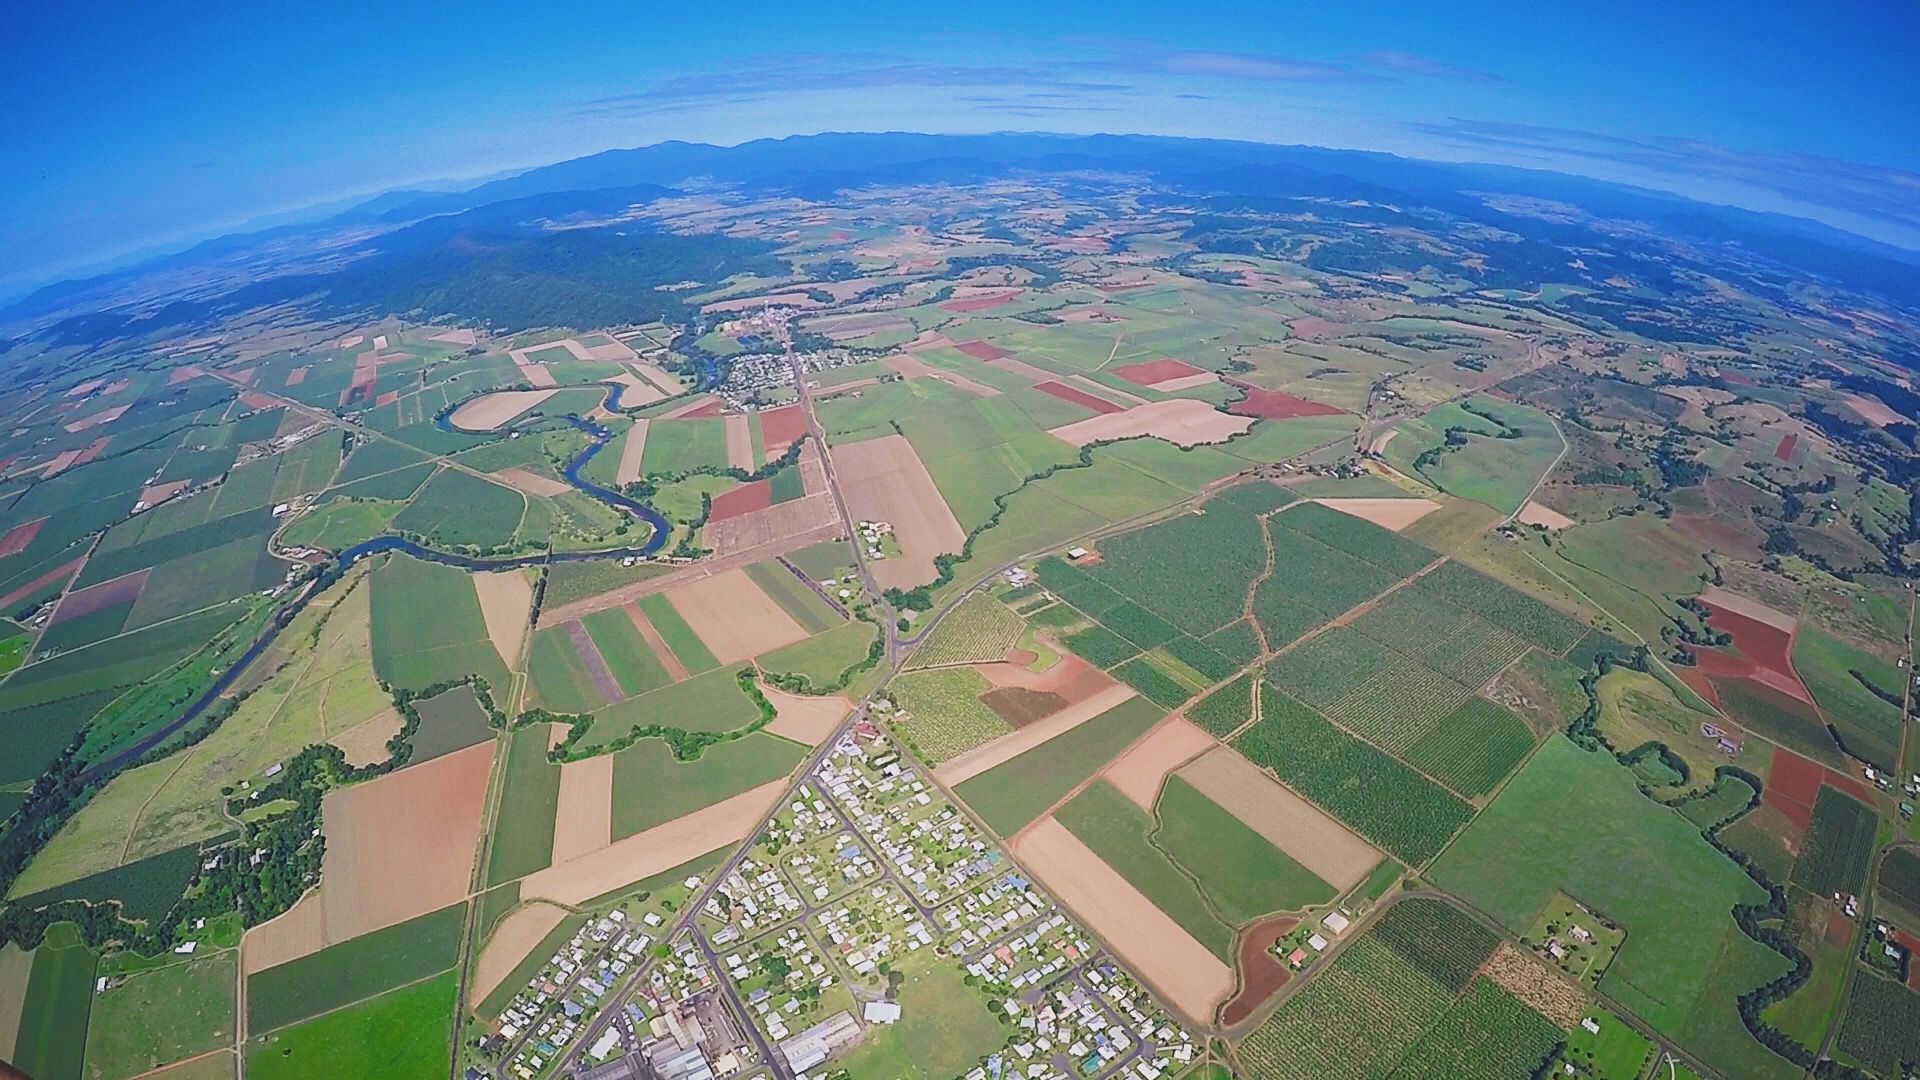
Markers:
{"x": 1274, "y": 405}
{"x": 1019, "y": 706}
{"x": 1314, "y": 327}
{"x": 124, "y": 589}
{"x": 1784, "y": 451}
{"x": 244, "y": 376}
{"x": 1261, "y": 973}
{"x": 983, "y": 302}
{"x": 711, "y": 408}
{"x": 1794, "y": 783}
{"x": 1912, "y": 945}
{"x": 1839, "y": 928}
{"x": 1768, "y": 648}
{"x": 93, "y": 450}
{"x": 296, "y": 376}
{"x": 1149, "y": 372}
{"x": 1078, "y": 397}
{"x": 981, "y": 350}
{"x": 253, "y": 399}
{"x": 387, "y": 398}
{"x": 39, "y": 583}
{"x": 744, "y": 499}
{"x": 183, "y": 373}
{"x": 839, "y": 236}
{"x": 1021, "y": 657}
{"x": 780, "y": 427}
{"x": 17, "y": 538}
{"x": 1717, "y": 533}
{"x": 1699, "y": 683}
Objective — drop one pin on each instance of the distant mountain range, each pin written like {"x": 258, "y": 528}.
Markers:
{"x": 816, "y": 166}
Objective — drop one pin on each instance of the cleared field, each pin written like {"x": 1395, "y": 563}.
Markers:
{"x": 1180, "y": 421}
{"x": 1117, "y": 833}
{"x": 506, "y": 598}
{"x": 884, "y": 480}
{"x": 512, "y": 941}
{"x": 583, "y": 811}
{"x": 490, "y": 411}
{"x": 686, "y": 646}
{"x": 733, "y": 616}
{"x": 661, "y": 848}
{"x": 397, "y": 847}
{"x": 1319, "y": 843}
{"x": 1574, "y": 821}
{"x": 1009, "y": 747}
{"x": 807, "y": 720}
{"x": 1010, "y": 795}
{"x": 1139, "y": 773}
{"x": 1191, "y": 978}
{"x": 428, "y": 626}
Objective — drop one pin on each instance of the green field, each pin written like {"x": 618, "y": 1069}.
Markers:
{"x": 1013, "y": 793}
{"x": 452, "y": 720}
{"x": 979, "y": 629}
{"x": 461, "y": 511}
{"x": 159, "y": 1017}
{"x": 1226, "y": 540}
{"x": 1393, "y": 806}
{"x": 146, "y": 888}
{"x": 570, "y": 581}
{"x": 807, "y": 608}
{"x": 427, "y": 627}
{"x": 627, "y": 654}
{"x": 1115, "y": 829}
{"x": 651, "y": 787}
{"x": 1226, "y": 709}
{"x": 822, "y": 658}
{"x": 404, "y": 1032}
{"x": 559, "y": 679}
{"x": 1882, "y": 1028}
{"x": 1574, "y": 821}
{"x": 52, "y": 1040}
{"x": 1838, "y": 845}
{"x": 709, "y": 702}
{"x": 1473, "y": 748}
{"x": 678, "y": 446}
{"x": 1498, "y": 471}
{"x": 1241, "y": 871}
{"x": 530, "y": 795}
{"x": 685, "y": 645}
{"x": 355, "y": 970}
{"x": 943, "y": 1030}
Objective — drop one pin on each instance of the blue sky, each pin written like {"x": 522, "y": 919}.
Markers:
{"x": 129, "y": 126}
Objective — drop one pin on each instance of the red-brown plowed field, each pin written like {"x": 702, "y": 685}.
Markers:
{"x": 741, "y": 500}
{"x": 839, "y": 236}
{"x": 780, "y": 427}
{"x": 1699, "y": 683}
{"x": 296, "y": 376}
{"x": 1784, "y": 451}
{"x": 1769, "y": 648}
{"x": 711, "y": 408}
{"x": 17, "y": 538}
{"x": 1261, "y": 973}
{"x": 981, "y": 350}
{"x": 40, "y": 582}
{"x": 387, "y": 398}
{"x": 1793, "y": 783}
{"x": 983, "y": 302}
{"x": 1156, "y": 371}
{"x": 124, "y": 589}
{"x": 254, "y": 399}
{"x": 1274, "y": 405}
{"x": 1078, "y": 397}
{"x": 1912, "y": 945}
{"x": 93, "y": 450}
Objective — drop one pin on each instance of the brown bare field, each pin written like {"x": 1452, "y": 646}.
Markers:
{"x": 18, "y": 537}
{"x": 740, "y": 442}
{"x": 1388, "y": 513}
{"x": 506, "y": 597}
{"x": 884, "y": 480}
{"x": 634, "y": 390}
{"x": 517, "y": 935}
{"x": 1181, "y": 421}
{"x": 530, "y": 482}
{"x": 538, "y": 375}
{"x": 1535, "y": 513}
{"x": 1140, "y": 771}
{"x": 979, "y": 350}
{"x": 780, "y": 427}
{"x": 662, "y": 652}
{"x": 1261, "y": 974}
{"x": 583, "y": 819}
{"x": 1076, "y": 395}
{"x": 41, "y": 582}
{"x": 489, "y": 411}
{"x": 1316, "y": 841}
{"x": 1071, "y": 677}
{"x": 913, "y": 367}
{"x": 1716, "y": 596}
{"x": 155, "y": 494}
{"x": 297, "y": 376}
{"x": 124, "y": 589}
{"x": 631, "y": 449}
{"x": 658, "y": 376}
{"x": 698, "y": 403}
{"x": 806, "y": 719}
{"x": 662, "y": 847}
{"x": 456, "y": 337}
{"x": 366, "y": 742}
{"x": 1155, "y": 372}
{"x": 1872, "y": 410}
{"x": 1188, "y": 977}
{"x": 734, "y": 616}
{"x": 1007, "y": 747}
{"x": 812, "y": 516}
{"x": 397, "y": 847}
